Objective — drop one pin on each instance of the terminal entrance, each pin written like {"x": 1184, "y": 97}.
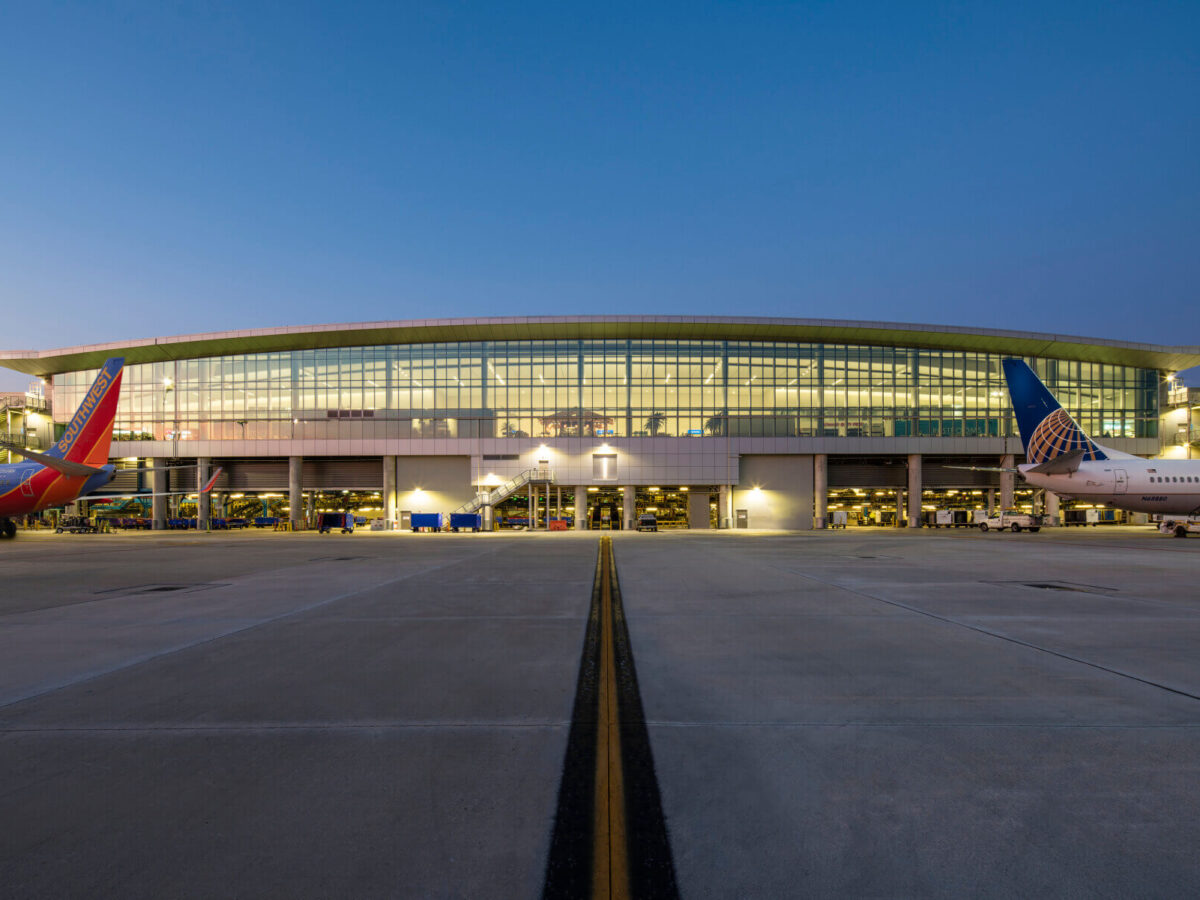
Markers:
{"x": 605, "y": 508}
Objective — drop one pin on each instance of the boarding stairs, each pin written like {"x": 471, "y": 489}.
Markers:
{"x": 499, "y": 494}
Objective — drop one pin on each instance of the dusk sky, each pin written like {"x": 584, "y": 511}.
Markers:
{"x": 173, "y": 168}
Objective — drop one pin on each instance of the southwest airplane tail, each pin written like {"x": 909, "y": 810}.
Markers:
{"x": 89, "y": 433}
{"x": 76, "y": 464}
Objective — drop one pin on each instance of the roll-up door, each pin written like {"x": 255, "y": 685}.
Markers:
{"x": 248, "y": 475}
{"x": 344, "y": 473}
{"x": 858, "y": 471}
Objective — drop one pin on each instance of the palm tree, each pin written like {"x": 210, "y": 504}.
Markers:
{"x": 715, "y": 425}
{"x": 655, "y": 423}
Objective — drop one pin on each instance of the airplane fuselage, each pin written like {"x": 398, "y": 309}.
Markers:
{"x": 29, "y": 487}
{"x": 1139, "y": 485}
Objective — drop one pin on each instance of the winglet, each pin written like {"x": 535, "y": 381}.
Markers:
{"x": 216, "y": 474}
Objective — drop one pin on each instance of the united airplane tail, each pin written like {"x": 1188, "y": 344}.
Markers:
{"x": 89, "y": 433}
{"x": 1047, "y": 430}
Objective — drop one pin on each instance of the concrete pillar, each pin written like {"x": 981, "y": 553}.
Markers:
{"x": 991, "y": 501}
{"x": 558, "y": 502}
{"x": 914, "y": 490}
{"x": 699, "y": 511}
{"x": 203, "y": 501}
{"x": 158, "y": 504}
{"x": 629, "y": 507}
{"x": 295, "y": 492}
{"x": 820, "y": 489}
{"x": 899, "y": 507}
{"x": 389, "y": 489}
{"x": 724, "y": 506}
{"x": 530, "y": 494}
{"x": 581, "y": 520}
{"x": 1007, "y": 481}
{"x": 1052, "y": 508}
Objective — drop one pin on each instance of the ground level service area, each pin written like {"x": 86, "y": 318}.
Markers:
{"x": 829, "y": 713}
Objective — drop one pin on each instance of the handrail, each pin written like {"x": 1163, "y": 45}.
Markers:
{"x": 496, "y": 495}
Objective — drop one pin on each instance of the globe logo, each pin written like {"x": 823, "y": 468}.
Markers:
{"x": 1055, "y": 435}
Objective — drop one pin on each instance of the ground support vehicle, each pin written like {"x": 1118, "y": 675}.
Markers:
{"x": 647, "y": 522}
{"x": 329, "y": 521}
{"x": 76, "y": 525}
{"x": 1011, "y": 520}
{"x": 1180, "y": 526}
{"x": 1093, "y": 517}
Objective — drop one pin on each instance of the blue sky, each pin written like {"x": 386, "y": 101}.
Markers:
{"x": 171, "y": 168}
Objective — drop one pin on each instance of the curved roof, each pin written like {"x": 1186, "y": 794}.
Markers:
{"x": 420, "y": 331}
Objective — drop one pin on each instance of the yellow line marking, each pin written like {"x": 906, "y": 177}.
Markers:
{"x": 610, "y": 864}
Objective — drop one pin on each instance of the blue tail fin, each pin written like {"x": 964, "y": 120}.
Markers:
{"x": 1047, "y": 430}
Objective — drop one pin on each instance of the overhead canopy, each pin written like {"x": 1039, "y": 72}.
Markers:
{"x": 305, "y": 337}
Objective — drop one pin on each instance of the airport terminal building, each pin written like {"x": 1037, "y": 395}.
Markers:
{"x": 707, "y": 421}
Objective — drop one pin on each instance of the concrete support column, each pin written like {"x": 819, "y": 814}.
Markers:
{"x": 899, "y": 507}
{"x": 158, "y": 484}
{"x": 581, "y": 520}
{"x": 530, "y": 496}
{"x": 203, "y": 501}
{"x": 991, "y": 501}
{"x": 820, "y": 489}
{"x": 389, "y": 489}
{"x": 295, "y": 492}
{"x": 629, "y": 507}
{"x": 699, "y": 511}
{"x": 1007, "y": 481}
{"x": 558, "y": 502}
{"x": 1052, "y": 508}
{"x": 914, "y": 490}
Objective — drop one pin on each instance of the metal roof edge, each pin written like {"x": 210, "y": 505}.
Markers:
{"x": 751, "y": 329}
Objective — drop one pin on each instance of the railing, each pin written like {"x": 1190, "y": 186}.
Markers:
{"x": 496, "y": 495}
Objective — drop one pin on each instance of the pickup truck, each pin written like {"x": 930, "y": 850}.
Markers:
{"x": 1010, "y": 520}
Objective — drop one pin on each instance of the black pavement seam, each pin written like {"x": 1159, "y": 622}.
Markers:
{"x": 569, "y": 862}
{"x": 651, "y": 864}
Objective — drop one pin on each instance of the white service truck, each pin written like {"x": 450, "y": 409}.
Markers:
{"x": 1008, "y": 520}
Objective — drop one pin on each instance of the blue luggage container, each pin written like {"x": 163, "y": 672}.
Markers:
{"x": 432, "y": 521}
{"x": 466, "y": 521}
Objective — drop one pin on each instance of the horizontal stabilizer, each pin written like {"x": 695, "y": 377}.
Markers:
{"x": 1061, "y": 465}
{"x": 65, "y": 466}
{"x": 1015, "y": 471}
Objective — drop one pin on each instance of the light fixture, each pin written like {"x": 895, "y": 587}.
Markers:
{"x": 683, "y": 487}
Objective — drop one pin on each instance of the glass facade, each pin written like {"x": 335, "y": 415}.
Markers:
{"x": 619, "y": 388}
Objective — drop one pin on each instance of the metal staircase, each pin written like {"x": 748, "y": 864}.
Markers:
{"x": 498, "y": 494}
